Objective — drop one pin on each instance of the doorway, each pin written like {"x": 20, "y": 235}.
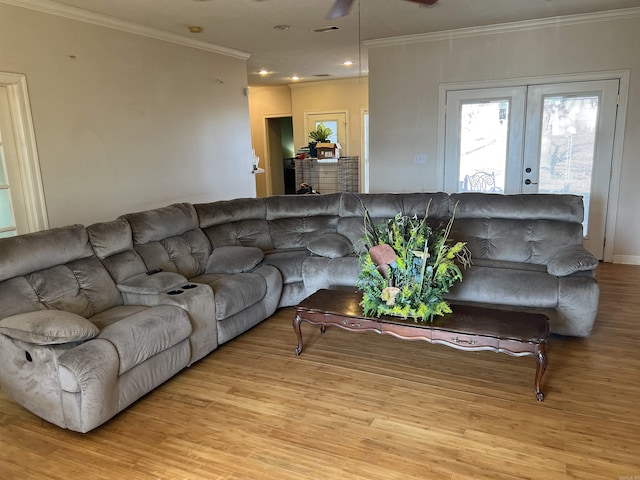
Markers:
{"x": 543, "y": 138}
{"x": 279, "y": 161}
{"x": 22, "y": 206}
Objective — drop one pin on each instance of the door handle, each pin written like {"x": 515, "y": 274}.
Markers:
{"x": 529, "y": 182}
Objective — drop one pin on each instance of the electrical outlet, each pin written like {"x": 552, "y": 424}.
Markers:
{"x": 420, "y": 158}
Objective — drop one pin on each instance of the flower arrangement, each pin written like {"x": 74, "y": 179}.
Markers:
{"x": 408, "y": 267}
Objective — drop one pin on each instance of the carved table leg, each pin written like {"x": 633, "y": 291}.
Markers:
{"x": 541, "y": 366}
{"x": 296, "y": 328}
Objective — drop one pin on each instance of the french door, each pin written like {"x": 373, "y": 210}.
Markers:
{"x": 549, "y": 138}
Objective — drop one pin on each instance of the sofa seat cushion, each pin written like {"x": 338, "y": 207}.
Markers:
{"x": 506, "y": 286}
{"x": 115, "y": 314}
{"x": 322, "y": 272}
{"x": 234, "y": 259}
{"x": 146, "y": 333}
{"x": 152, "y": 284}
{"x": 234, "y": 293}
{"x": 48, "y": 327}
{"x": 484, "y": 262}
{"x": 289, "y": 262}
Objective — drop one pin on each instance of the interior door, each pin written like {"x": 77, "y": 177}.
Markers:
{"x": 548, "y": 138}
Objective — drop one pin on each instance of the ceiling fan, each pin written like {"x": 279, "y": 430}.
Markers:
{"x": 342, "y": 7}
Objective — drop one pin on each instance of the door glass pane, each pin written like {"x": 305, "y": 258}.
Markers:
{"x": 567, "y": 146}
{"x": 333, "y": 125}
{"x": 6, "y": 214}
{"x": 484, "y": 130}
{"x": 3, "y": 176}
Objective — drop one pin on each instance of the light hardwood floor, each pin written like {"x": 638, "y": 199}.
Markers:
{"x": 366, "y": 407}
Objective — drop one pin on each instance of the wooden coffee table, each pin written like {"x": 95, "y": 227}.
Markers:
{"x": 468, "y": 328}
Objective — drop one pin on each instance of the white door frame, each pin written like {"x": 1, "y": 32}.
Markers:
{"x": 29, "y": 165}
{"x": 618, "y": 141}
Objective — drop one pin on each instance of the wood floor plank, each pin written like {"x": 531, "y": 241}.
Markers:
{"x": 366, "y": 407}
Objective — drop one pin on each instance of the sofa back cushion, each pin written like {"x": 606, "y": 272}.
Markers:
{"x": 112, "y": 243}
{"x": 170, "y": 239}
{"x": 563, "y": 208}
{"x": 383, "y": 207}
{"x": 517, "y": 228}
{"x": 54, "y": 269}
{"x": 240, "y": 222}
{"x": 296, "y": 220}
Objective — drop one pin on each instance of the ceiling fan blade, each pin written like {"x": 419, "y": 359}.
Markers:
{"x": 340, "y": 8}
{"x": 425, "y": 2}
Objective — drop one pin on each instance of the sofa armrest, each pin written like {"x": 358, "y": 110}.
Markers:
{"x": 90, "y": 372}
{"x": 48, "y": 327}
{"x": 152, "y": 283}
{"x": 571, "y": 260}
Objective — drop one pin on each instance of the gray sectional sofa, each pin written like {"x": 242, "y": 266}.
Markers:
{"x": 93, "y": 318}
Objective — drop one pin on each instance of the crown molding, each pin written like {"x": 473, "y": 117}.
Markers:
{"x": 624, "y": 13}
{"x": 324, "y": 83}
{"x": 73, "y": 13}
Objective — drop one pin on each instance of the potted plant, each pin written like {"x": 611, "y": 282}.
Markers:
{"x": 408, "y": 267}
{"x": 320, "y": 135}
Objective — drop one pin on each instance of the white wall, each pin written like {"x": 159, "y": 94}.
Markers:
{"x": 404, "y": 81}
{"x": 351, "y": 95}
{"x": 125, "y": 122}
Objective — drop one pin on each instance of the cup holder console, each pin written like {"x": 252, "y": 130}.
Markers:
{"x": 189, "y": 285}
{"x": 175, "y": 292}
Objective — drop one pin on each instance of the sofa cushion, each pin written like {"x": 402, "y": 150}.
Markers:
{"x": 115, "y": 314}
{"x": 330, "y": 245}
{"x": 153, "y": 284}
{"x": 147, "y": 333}
{"x": 234, "y": 259}
{"x": 23, "y": 254}
{"x": 234, "y": 293}
{"x": 562, "y": 208}
{"x": 48, "y": 327}
{"x": 161, "y": 223}
{"x": 288, "y": 262}
{"x": 110, "y": 238}
{"x": 503, "y": 286}
{"x": 571, "y": 260}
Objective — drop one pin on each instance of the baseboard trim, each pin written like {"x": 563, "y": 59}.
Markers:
{"x": 627, "y": 259}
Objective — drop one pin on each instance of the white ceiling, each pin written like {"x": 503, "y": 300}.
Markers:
{"x": 248, "y": 26}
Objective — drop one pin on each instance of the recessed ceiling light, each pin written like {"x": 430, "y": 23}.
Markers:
{"x": 348, "y": 63}
{"x": 295, "y": 77}
{"x": 282, "y": 27}
{"x": 195, "y": 29}
{"x": 263, "y": 72}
